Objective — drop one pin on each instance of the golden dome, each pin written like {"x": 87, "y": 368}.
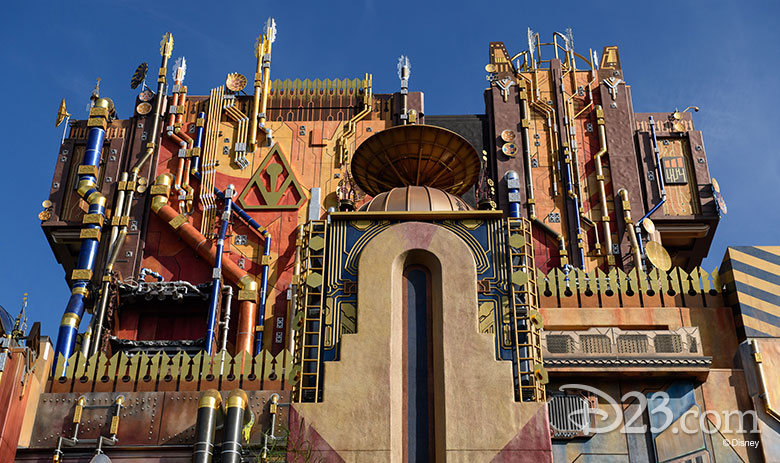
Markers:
{"x": 415, "y": 198}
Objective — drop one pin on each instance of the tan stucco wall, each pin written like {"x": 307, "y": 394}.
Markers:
{"x": 361, "y": 413}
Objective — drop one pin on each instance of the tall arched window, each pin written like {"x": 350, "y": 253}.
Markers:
{"x": 418, "y": 381}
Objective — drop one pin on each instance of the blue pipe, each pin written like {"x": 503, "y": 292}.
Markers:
{"x": 661, "y": 187}
{"x": 263, "y": 292}
{"x": 216, "y": 287}
{"x": 87, "y": 189}
{"x": 575, "y": 199}
{"x": 514, "y": 206}
{"x": 235, "y": 209}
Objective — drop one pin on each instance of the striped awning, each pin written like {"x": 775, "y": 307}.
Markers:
{"x": 751, "y": 276}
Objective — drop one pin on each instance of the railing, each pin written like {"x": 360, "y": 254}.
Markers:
{"x": 524, "y": 304}
{"x": 179, "y": 372}
{"x": 308, "y": 348}
{"x": 616, "y": 288}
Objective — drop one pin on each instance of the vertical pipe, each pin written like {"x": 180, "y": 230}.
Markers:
{"x": 122, "y": 211}
{"x": 513, "y": 193}
{"x": 661, "y": 187}
{"x": 217, "y": 274}
{"x": 263, "y": 292}
{"x": 529, "y": 181}
{"x": 629, "y": 224}
{"x": 87, "y": 189}
{"x": 196, "y": 152}
{"x": 235, "y": 416}
{"x": 267, "y": 41}
{"x": 601, "y": 181}
{"x": 209, "y": 407}
{"x": 228, "y": 290}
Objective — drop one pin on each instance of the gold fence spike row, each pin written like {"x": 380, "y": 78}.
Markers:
{"x": 560, "y": 279}
{"x": 705, "y": 280}
{"x": 696, "y": 280}
{"x": 92, "y": 366}
{"x": 612, "y": 281}
{"x": 716, "y": 284}
{"x": 621, "y": 280}
{"x": 244, "y": 363}
{"x": 196, "y": 363}
{"x": 642, "y": 277}
{"x": 60, "y": 365}
{"x": 674, "y": 280}
{"x": 601, "y": 277}
{"x": 654, "y": 283}
{"x": 175, "y": 365}
{"x": 156, "y": 364}
{"x": 632, "y": 280}
{"x": 663, "y": 278}
{"x": 81, "y": 366}
{"x": 257, "y": 364}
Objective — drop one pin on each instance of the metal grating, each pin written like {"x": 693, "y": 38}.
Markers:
{"x": 668, "y": 344}
{"x": 595, "y": 344}
{"x": 569, "y": 415}
{"x": 560, "y": 344}
{"x": 632, "y": 344}
{"x": 693, "y": 346}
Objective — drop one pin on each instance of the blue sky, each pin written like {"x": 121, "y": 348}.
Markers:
{"x": 720, "y": 56}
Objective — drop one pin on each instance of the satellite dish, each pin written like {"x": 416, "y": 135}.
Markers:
{"x": 648, "y": 225}
{"x": 719, "y": 201}
{"x": 100, "y": 458}
{"x": 139, "y": 76}
{"x": 235, "y": 82}
{"x": 658, "y": 256}
{"x": 62, "y": 113}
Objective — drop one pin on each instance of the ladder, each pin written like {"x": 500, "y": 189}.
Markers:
{"x": 308, "y": 349}
{"x": 530, "y": 376}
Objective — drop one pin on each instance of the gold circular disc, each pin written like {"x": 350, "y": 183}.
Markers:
{"x": 677, "y": 115}
{"x": 508, "y": 135}
{"x": 46, "y": 203}
{"x": 491, "y": 68}
{"x": 648, "y": 225}
{"x": 44, "y": 215}
{"x": 146, "y": 95}
{"x": 143, "y": 108}
{"x": 510, "y": 149}
{"x": 715, "y": 186}
{"x": 658, "y": 256}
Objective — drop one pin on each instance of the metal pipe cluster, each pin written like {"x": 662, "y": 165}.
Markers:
{"x": 88, "y": 172}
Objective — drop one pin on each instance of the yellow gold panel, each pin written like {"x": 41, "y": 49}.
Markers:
{"x": 88, "y": 170}
{"x": 247, "y": 295}
{"x": 81, "y": 274}
{"x": 160, "y": 190}
{"x": 90, "y": 233}
{"x": 97, "y": 122}
{"x": 178, "y": 221}
{"x": 92, "y": 219}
